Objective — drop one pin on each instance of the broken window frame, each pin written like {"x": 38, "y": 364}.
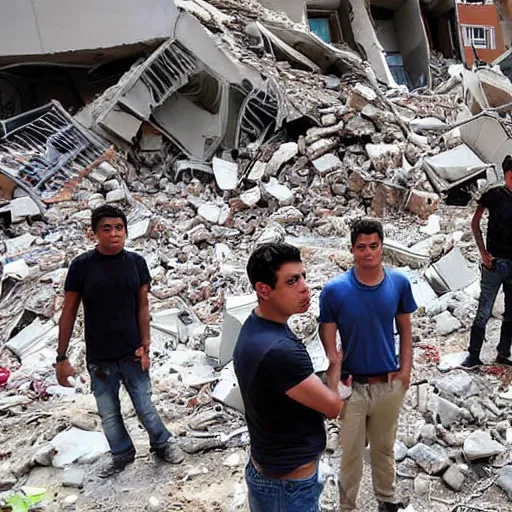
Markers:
{"x": 333, "y": 19}
{"x": 489, "y": 33}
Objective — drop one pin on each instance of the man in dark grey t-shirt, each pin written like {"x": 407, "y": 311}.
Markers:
{"x": 285, "y": 401}
{"x": 113, "y": 285}
{"x": 496, "y": 257}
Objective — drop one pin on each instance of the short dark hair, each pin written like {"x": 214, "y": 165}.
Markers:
{"x": 267, "y": 259}
{"x": 365, "y": 226}
{"x": 107, "y": 210}
{"x": 506, "y": 165}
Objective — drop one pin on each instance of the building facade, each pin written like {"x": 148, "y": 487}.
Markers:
{"x": 480, "y": 28}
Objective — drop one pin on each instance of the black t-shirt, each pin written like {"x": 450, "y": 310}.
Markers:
{"x": 499, "y": 229}
{"x": 109, "y": 287}
{"x": 269, "y": 360}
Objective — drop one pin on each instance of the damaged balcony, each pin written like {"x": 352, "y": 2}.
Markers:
{"x": 188, "y": 83}
{"x": 41, "y": 150}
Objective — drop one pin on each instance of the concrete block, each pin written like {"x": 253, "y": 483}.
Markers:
{"x": 73, "y": 477}
{"x": 237, "y": 309}
{"x": 115, "y": 196}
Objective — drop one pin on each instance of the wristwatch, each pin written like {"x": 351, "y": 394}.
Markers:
{"x": 61, "y": 357}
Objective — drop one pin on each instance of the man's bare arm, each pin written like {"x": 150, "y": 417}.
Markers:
{"x": 328, "y": 337}
{"x": 479, "y": 239}
{"x": 144, "y": 317}
{"x": 313, "y": 393}
{"x": 403, "y": 323}
{"x": 67, "y": 319}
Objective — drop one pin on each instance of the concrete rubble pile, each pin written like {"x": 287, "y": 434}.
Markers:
{"x": 244, "y": 128}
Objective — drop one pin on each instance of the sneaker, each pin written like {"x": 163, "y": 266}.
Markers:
{"x": 171, "y": 452}
{"x": 114, "y": 467}
{"x": 384, "y": 506}
{"x": 471, "y": 362}
{"x": 506, "y": 361}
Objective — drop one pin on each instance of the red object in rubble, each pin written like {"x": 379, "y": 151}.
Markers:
{"x": 4, "y": 375}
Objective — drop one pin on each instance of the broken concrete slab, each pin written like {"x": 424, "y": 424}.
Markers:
{"x": 287, "y": 215}
{"x": 427, "y": 124}
{"x": 480, "y": 445}
{"x": 327, "y": 163}
{"x": 257, "y": 172}
{"x": 227, "y": 390}
{"x": 236, "y": 310}
{"x": 226, "y": 173}
{"x": 272, "y": 233}
{"x": 458, "y": 384}
{"x": 280, "y": 192}
{"x": 400, "y": 451}
{"x": 446, "y": 412}
{"x": 19, "y": 244}
{"x": 454, "y": 477}
{"x": 73, "y": 477}
{"x": 139, "y": 229}
{"x": 321, "y": 147}
{"x": 422, "y": 203}
{"x": 251, "y": 197}
{"x": 74, "y": 445}
{"x": 431, "y": 459}
{"x": 360, "y": 96}
{"x": 450, "y": 361}
{"x": 283, "y": 155}
{"x": 315, "y": 134}
{"x": 446, "y": 323}
{"x": 450, "y": 273}
{"x": 504, "y": 480}
{"x": 383, "y": 156}
{"x": 116, "y": 196}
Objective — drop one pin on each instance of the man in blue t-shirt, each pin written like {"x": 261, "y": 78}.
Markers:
{"x": 285, "y": 402}
{"x": 363, "y": 306}
{"x": 113, "y": 284}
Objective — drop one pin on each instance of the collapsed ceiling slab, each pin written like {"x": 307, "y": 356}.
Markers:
{"x": 189, "y": 82}
{"x": 42, "y": 150}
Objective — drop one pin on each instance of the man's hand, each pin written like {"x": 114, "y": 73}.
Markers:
{"x": 402, "y": 375}
{"x": 64, "y": 370}
{"x": 487, "y": 260}
{"x": 144, "y": 358}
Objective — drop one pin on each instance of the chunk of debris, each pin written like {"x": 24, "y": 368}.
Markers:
{"x": 284, "y": 154}
{"x": 360, "y": 96}
{"x": 280, "y": 192}
{"x": 226, "y": 173}
{"x": 480, "y": 445}
{"x": 432, "y": 459}
{"x": 327, "y": 163}
{"x": 383, "y": 156}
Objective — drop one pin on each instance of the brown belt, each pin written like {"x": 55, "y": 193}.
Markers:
{"x": 304, "y": 471}
{"x": 376, "y": 379}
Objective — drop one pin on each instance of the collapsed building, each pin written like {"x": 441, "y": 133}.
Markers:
{"x": 224, "y": 127}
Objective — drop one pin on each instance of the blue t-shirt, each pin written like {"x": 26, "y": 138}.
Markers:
{"x": 365, "y": 318}
{"x": 269, "y": 360}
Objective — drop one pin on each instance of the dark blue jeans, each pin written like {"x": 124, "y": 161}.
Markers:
{"x": 500, "y": 274}
{"x": 106, "y": 378}
{"x": 277, "y": 495}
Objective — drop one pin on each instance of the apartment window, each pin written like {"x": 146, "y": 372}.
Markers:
{"x": 325, "y": 25}
{"x": 479, "y": 37}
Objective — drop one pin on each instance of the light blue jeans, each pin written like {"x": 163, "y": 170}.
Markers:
{"x": 279, "y": 495}
{"x": 106, "y": 378}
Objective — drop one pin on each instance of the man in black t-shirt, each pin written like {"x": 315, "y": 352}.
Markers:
{"x": 496, "y": 267}
{"x": 285, "y": 402}
{"x": 113, "y": 285}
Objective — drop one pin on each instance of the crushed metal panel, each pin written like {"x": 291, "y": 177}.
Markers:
{"x": 43, "y": 154}
{"x": 487, "y": 137}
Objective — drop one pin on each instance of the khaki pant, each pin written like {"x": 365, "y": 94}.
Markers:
{"x": 369, "y": 416}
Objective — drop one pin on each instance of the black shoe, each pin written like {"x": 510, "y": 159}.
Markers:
{"x": 114, "y": 467}
{"x": 471, "y": 362}
{"x": 506, "y": 361}
{"x": 171, "y": 452}
{"x": 388, "y": 507}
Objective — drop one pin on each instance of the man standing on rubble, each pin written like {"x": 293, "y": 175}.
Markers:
{"x": 363, "y": 305}
{"x": 496, "y": 257}
{"x": 285, "y": 402}
{"x": 113, "y": 285}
